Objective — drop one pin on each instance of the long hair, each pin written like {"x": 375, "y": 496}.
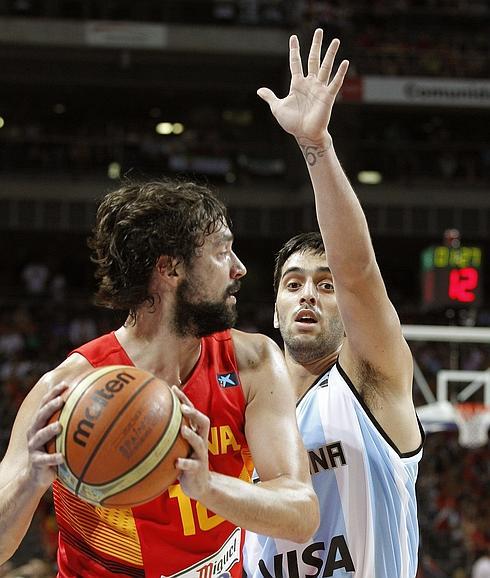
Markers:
{"x": 138, "y": 223}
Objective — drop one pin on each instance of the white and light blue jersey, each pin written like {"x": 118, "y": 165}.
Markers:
{"x": 366, "y": 490}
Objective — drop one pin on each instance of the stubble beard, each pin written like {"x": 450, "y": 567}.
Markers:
{"x": 305, "y": 349}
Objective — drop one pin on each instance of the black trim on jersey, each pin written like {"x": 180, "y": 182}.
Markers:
{"x": 375, "y": 422}
{"x": 319, "y": 378}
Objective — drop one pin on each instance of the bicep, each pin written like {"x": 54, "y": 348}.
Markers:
{"x": 373, "y": 330}
{"x": 16, "y": 455}
{"x": 271, "y": 428}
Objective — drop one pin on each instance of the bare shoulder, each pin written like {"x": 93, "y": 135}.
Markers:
{"x": 261, "y": 363}
{"x": 253, "y": 349}
{"x": 68, "y": 371}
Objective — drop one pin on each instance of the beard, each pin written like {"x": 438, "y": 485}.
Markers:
{"x": 200, "y": 317}
{"x": 305, "y": 349}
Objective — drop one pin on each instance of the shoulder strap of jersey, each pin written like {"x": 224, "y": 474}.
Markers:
{"x": 105, "y": 350}
{"x": 219, "y": 347}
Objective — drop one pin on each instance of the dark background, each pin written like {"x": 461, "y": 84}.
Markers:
{"x": 83, "y": 84}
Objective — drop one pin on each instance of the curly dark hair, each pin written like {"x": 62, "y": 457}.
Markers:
{"x": 138, "y": 223}
{"x": 303, "y": 243}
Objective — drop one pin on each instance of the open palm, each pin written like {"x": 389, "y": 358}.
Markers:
{"x": 305, "y": 112}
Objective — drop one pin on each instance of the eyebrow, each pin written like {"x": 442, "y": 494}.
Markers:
{"x": 226, "y": 237}
{"x": 303, "y": 271}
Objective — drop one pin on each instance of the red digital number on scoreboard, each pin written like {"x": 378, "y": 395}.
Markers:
{"x": 462, "y": 284}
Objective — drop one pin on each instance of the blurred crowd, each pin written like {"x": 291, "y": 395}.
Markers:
{"x": 230, "y": 142}
{"x": 408, "y": 149}
{"x": 454, "y": 507}
{"x": 44, "y": 313}
{"x": 42, "y": 318}
{"x": 405, "y": 37}
{"x": 219, "y": 151}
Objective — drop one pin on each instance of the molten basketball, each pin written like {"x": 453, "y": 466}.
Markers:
{"x": 120, "y": 437}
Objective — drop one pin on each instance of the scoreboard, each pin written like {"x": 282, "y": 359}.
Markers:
{"x": 451, "y": 277}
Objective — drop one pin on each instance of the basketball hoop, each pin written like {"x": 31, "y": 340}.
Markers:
{"x": 473, "y": 421}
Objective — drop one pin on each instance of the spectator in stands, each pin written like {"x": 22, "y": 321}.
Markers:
{"x": 481, "y": 567}
{"x": 35, "y": 276}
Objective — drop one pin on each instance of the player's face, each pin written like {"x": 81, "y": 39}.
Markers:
{"x": 205, "y": 299}
{"x": 306, "y": 308}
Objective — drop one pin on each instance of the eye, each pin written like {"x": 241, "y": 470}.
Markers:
{"x": 326, "y": 286}
{"x": 292, "y": 285}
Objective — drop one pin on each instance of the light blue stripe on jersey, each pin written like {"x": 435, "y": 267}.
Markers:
{"x": 385, "y": 504}
{"x": 412, "y": 522}
{"x": 324, "y": 483}
{"x": 366, "y": 492}
{"x": 392, "y": 490}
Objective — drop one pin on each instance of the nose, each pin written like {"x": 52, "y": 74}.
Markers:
{"x": 308, "y": 295}
{"x": 238, "y": 270}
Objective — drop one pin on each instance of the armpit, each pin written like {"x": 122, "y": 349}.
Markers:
{"x": 368, "y": 381}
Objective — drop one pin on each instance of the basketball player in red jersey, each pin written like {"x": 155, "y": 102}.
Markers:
{"x": 164, "y": 252}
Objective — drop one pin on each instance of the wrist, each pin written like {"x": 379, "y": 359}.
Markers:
{"x": 209, "y": 492}
{"x": 29, "y": 482}
{"x": 314, "y": 149}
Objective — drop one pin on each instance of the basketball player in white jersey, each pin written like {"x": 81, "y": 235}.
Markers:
{"x": 350, "y": 364}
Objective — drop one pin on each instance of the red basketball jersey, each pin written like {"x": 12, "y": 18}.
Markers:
{"x": 172, "y": 535}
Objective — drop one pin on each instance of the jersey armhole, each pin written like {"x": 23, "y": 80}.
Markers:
{"x": 405, "y": 456}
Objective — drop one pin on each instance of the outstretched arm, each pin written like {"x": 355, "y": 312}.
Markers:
{"x": 373, "y": 333}
{"x": 375, "y": 354}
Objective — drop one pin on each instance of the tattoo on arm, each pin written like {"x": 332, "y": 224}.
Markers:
{"x": 313, "y": 152}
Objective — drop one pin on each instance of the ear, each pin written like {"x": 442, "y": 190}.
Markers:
{"x": 276, "y": 320}
{"x": 168, "y": 269}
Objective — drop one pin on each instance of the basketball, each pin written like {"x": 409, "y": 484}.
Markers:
{"x": 120, "y": 437}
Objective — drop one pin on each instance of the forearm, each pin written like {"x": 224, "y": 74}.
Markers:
{"x": 281, "y": 508}
{"x": 340, "y": 216}
{"x": 18, "y": 502}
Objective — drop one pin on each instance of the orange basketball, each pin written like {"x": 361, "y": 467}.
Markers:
{"x": 120, "y": 437}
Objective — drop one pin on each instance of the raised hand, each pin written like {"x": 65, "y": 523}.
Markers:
{"x": 305, "y": 112}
